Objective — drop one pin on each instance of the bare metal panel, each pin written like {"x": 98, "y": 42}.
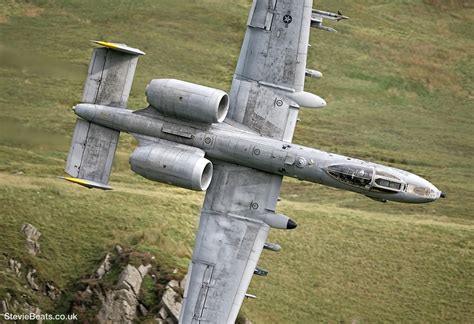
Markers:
{"x": 109, "y": 78}
{"x": 77, "y": 147}
{"x": 230, "y": 240}
{"x": 261, "y": 14}
{"x": 271, "y": 67}
{"x": 98, "y": 155}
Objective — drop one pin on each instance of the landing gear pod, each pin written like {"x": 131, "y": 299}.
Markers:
{"x": 172, "y": 165}
{"x": 184, "y": 100}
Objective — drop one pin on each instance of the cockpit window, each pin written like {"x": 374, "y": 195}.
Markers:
{"x": 388, "y": 184}
{"x": 355, "y": 175}
{"x": 387, "y": 181}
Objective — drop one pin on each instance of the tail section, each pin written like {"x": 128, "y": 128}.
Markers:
{"x": 108, "y": 82}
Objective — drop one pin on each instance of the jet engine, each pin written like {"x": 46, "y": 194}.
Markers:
{"x": 184, "y": 100}
{"x": 177, "y": 166}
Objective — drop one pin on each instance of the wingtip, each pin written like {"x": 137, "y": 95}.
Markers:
{"x": 87, "y": 183}
{"x": 121, "y": 47}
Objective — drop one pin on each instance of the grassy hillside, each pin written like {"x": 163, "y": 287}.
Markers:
{"x": 399, "y": 81}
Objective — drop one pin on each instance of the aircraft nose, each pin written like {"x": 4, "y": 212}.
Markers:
{"x": 422, "y": 190}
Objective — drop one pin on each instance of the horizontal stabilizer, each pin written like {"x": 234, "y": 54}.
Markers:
{"x": 92, "y": 152}
{"x": 87, "y": 183}
{"x": 109, "y": 80}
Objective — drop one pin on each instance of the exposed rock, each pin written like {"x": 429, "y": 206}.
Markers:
{"x": 130, "y": 277}
{"x": 172, "y": 300}
{"x": 29, "y": 309}
{"x": 32, "y": 235}
{"x": 118, "y": 306}
{"x": 104, "y": 267}
{"x": 15, "y": 266}
{"x": 15, "y": 304}
{"x": 163, "y": 313}
{"x": 87, "y": 293}
{"x": 31, "y": 279}
{"x": 182, "y": 284}
{"x": 143, "y": 310}
{"x": 171, "y": 320}
{"x": 247, "y": 321}
{"x": 173, "y": 284}
{"x": 3, "y": 306}
{"x": 144, "y": 270}
{"x": 51, "y": 291}
{"x": 120, "y": 303}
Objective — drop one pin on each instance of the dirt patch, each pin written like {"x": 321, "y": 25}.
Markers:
{"x": 32, "y": 11}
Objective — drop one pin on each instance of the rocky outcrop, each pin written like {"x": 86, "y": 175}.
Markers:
{"x": 51, "y": 291}
{"x": 15, "y": 267}
{"x": 32, "y": 236}
{"x": 171, "y": 302}
{"x": 172, "y": 299}
{"x": 130, "y": 279}
{"x": 103, "y": 302}
{"x": 21, "y": 303}
{"x": 31, "y": 279}
{"x": 120, "y": 305}
{"x": 11, "y": 305}
{"x": 104, "y": 267}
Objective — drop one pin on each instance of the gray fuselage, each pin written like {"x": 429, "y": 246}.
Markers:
{"x": 234, "y": 144}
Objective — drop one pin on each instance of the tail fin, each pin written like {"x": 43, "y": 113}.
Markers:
{"x": 108, "y": 82}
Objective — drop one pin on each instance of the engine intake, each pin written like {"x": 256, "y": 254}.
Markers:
{"x": 185, "y": 100}
{"x": 172, "y": 165}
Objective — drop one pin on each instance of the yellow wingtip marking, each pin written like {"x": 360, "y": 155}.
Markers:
{"x": 107, "y": 44}
{"x": 87, "y": 183}
{"x": 120, "y": 47}
{"x": 76, "y": 180}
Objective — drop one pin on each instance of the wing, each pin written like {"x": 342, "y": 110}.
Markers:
{"x": 229, "y": 242}
{"x": 267, "y": 88}
{"x": 267, "y": 91}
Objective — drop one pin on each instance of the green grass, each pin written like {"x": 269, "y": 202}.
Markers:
{"x": 398, "y": 79}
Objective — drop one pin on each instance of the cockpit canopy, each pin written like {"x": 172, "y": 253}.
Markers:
{"x": 366, "y": 177}
{"x": 355, "y": 175}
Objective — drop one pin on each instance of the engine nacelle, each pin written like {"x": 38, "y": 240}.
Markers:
{"x": 177, "y": 166}
{"x": 184, "y": 100}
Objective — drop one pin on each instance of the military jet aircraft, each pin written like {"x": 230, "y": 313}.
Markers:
{"x": 238, "y": 147}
